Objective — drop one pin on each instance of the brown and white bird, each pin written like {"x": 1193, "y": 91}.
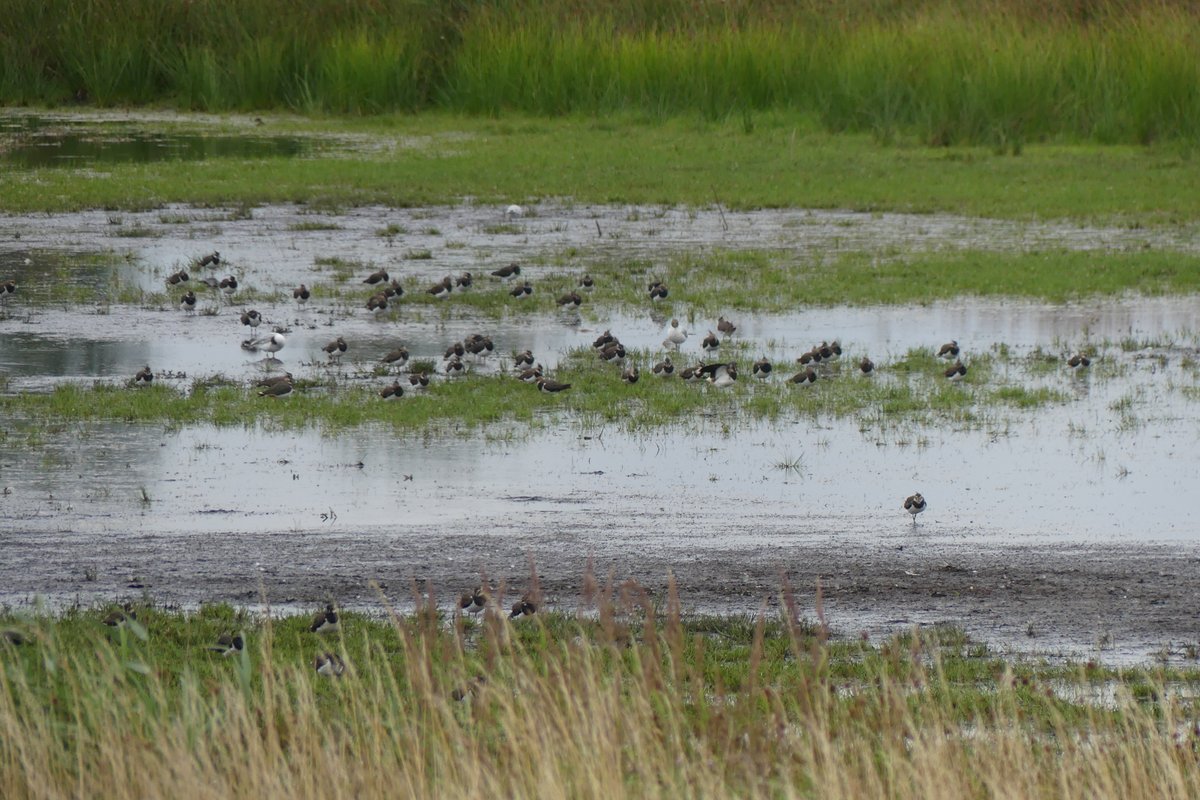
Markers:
{"x": 326, "y": 621}
{"x": 418, "y": 380}
{"x": 144, "y": 377}
{"x": 570, "y": 299}
{"x": 725, "y": 327}
{"x": 397, "y": 357}
{"x": 377, "y": 302}
{"x": 511, "y": 271}
{"x": 710, "y": 343}
{"x": 658, "y": 290}
{"x": 523, "y": 359}
{"x": 251, "y": 318}
{"x": 475, "y": 602}
{"x": 442, "y": 289}
{"x": 378, "y": 276}
{"x": 267, "y": 383}
{"x": 455, "y": 368}
{"x": 213, "y": 259}
{"x": 530, "y": 375}
{"x": 176, "y": 278}
{"x": 664, "y": 368}
{"x": 393, "y": 392}
{"x": 336, "y": 348}
{"x": 586, "y": 283}
{"x": 301, "y": 294}
{"x": 1079, "y": 361}
{"x": 949, "y": 349}
{"x": 914, "y": 504}
{"x": 228, "y": 285}
{"x": 551, "y": 387}
{"x": 229, "y": 645}
{"x": 119, "y": 618}
{"x": 526, "y": 607}
{"x": 522, "y": 291}
{"x": 464, "y": 281}
{"x": 720, "y": 375}
{"x": 630, "y": 375}
{"x": 280, "y": 389}
{"x": 329, "y": 665}
{"x": 956, "y": 372}
{"x": 866, "y": 365}
{"x": 762, "y": 368}
{"x": 394, "y": 289}
{"x": 806, "y": 375}
{"x": 188, "y": 301}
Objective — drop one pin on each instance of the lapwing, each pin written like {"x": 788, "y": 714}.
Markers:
{"x": 825, "y": 350}
{"x": 213, "y": 259}
{"x": 418, "y": 380}
{"x": 949, "y": 349}
{"x": 762, "y": 368}
{"x": 526, "y": 607}
{"x": 570, "y": 299}
{"x": 251, "y": 318}
{"x": 7, "y": 288}
{"x": 267, "y": 383}
{"x": 175, "y": 278}
{"x": 603, "y": 339}
{"x": 120, "y": 617}
{"x": 326, "y": 621}
{"x": 725, "y": 327}
{"x": 523, "y": 359}
{"x": 522, "y": 291}
{"x": 550, "y": 387}
{"x": 13, "y": 637}
{"x": 229, "y": 644}
{"x": 475, "y": 602}
{"x": 866, "y": 365}
{"x": 393, "y": 392}
{"x": 441, "y": 289}
{"x": 378, "y": 276}
{"x": 464, "y": 281}
{"x": 630, "y": 375}
{"x": 530, "y": 375}
{"x": 812, "y": 356}
{"x": 455, "y": 368}
{"x": 188, "y": 301}
{"x": 480, "y": 347}
{"x": 397, "y": 357}
{"x": 456, "y": 350}
{"x": 586, "y": 283}
{"x": 329, "y": 665}
{"x": 228, "y": 285}
{"x": 613, "y": 352}
{"x": 676, "y": 336}
{"x": 281, "y": 389}
{"x": 692, "y": 374}
{"x": 393, "y": 289}
{"x": 956, "y": 372}
{"x": 335, "y": 349}
{"x": 511, "y": 271}
{"x": 1079, "y": 361}
{"x": 301, "y": 294}
{"x": 914, "y": 504}
{"x": 144, "y": 377}
{"x": 658, "y": 290}
{"x": 377, "y": 302}
{"x": 710, "y": 343}
{"x": 664, "y": 368}
{"x": 720, "y": 375}
{"x": 269, "y": 343}
{"x": 806, "y": 375}
{"x": 211, "y": 282}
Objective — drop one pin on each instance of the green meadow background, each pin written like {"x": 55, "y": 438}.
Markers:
{"x": 1001, "y": 72}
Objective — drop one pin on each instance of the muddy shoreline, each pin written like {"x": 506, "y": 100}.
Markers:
{"x": 1114, "y": 602}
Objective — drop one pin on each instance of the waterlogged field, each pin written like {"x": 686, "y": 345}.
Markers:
{"x": 1058, "y": 524}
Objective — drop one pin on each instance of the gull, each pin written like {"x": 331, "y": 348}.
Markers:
{"x": 270, "y": 343}
{"x": 675, "y": 336}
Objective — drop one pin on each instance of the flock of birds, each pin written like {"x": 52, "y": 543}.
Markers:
{"x": 327, "y": 621}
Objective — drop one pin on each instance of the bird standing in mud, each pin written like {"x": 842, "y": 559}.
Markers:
{"x": 914, "y": 504}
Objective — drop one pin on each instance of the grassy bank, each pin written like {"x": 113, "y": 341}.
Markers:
{"x": 635, "y": 700}
{"x": 1006, "y": 72}
{"x": 782, "y": 162}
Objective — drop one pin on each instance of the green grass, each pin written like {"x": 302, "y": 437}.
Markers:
{"x": 910, "y": 391}
{"x": 783, "y": 162}
{"x": 632, "y": 699}
{"x": 1002, "y": 73}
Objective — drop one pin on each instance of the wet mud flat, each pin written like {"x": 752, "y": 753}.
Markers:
{"x": 1112, "y": 602}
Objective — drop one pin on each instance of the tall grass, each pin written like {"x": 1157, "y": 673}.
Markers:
{"x": 1003, "y": 72}
{"x": 635, "y": 701}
